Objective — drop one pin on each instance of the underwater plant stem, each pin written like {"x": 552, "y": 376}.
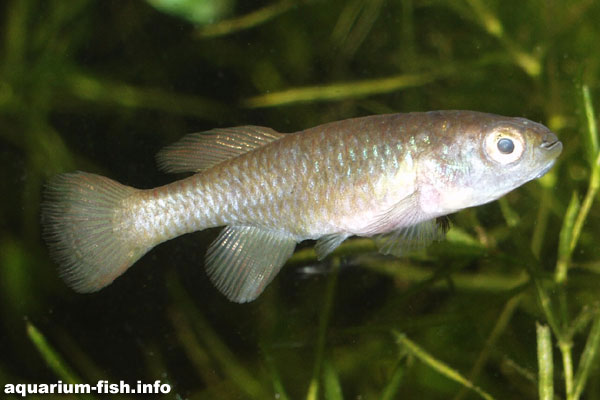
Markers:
{"x": 565, "y": 239}
{"x": 510, "y": 216}
{"x": 501, "y": 324}
{"x": 313, "y": 389}
{"x": 247, "y": 21}
{"x": 592, "y": 131}
{"x": 581, "y": 321}
{"x": 196, "y": 353}
{"x": 392, "y": 387}
{"x": 573, "y": 225}
{"x": 545, "y": 363}
{"x": 16, "y": 35}
{"x": 540, "y": 227}
{"x": 119, "y": 94}
{"x": 53, "y": 359}
{"x": 331, "y": 382}
{"x": 362, "y": 27}
{"x": 278, "y": 388}
{"x": 567, "y": 360}
{"x": 186, "y": 316}
{"x": 487, "y": 19}
{"x": 493, "y": 26}
{"x": 50, "y": 355}
{"x": 439, "y": 366}
{"x": 337, "y": 91}
{"x": 564, "y": 341}
{"x": 545, "y": 304}
{"x": 585, "y": 363}
{"x": 587, "y": 203}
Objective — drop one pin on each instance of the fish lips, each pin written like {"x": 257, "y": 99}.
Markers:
{"x": 554, "y": 148}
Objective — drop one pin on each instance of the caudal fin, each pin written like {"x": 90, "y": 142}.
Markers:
{"x": 82, "y": 224}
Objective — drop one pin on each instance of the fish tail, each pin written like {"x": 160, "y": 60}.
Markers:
{"x": 82, "y": 223}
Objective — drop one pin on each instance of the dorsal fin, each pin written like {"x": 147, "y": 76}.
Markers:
{"x": 199, "y": 151}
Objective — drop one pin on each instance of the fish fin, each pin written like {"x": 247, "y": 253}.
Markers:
{"x": 326, "y": 244}
{"x": 200, "y": 151}
{"x": 407, "y": 210}
{"x": 243, "y": 260}
{"x": 411, "y": 238}
{"x": 83, "y": 235}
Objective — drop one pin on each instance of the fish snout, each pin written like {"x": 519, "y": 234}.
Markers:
{"x": 551, "y": 142}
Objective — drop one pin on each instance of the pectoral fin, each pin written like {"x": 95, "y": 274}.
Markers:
{"x": 199, "y": 151}
{"x": 411, "y": 238}
{"x": 243, "y": 260}
{"x": 405, "y": 212}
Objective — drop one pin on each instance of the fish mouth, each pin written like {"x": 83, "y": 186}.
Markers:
{"x": 551, "y": 145}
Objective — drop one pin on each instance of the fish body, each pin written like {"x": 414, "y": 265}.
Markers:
{"x": 388, "y": 176}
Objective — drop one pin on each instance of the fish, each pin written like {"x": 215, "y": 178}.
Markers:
{"x": 392, "y": 177}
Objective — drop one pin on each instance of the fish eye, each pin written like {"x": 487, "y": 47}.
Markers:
{"x": 504, "y": 145}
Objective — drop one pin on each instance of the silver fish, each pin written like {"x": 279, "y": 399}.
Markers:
{"x": 385, "y": 176}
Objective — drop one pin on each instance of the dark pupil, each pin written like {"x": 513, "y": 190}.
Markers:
{"x": 506, "y": 146}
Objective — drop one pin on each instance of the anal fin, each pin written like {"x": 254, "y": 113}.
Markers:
{"x": 243, "y": 260}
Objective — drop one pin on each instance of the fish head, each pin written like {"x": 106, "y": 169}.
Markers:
{"x": 520, "y": 150}
{"x": 484, "y": 158}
